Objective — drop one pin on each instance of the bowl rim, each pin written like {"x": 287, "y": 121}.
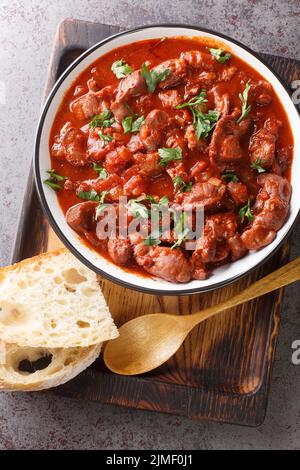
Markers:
{"x": 39, "y": 184}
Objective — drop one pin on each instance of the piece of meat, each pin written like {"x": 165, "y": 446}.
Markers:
{"x": 92, "y": 103}
{"x": 131, "y": 86}
{"x": 197, "y": 170}
{"x": 236, "y": 247}
{"x": 70, "y": 146}
{"x": 198, "y": 60}
{"x": 170, "y": 98}
{"x": 238, "y": 193}
{"x": 262, "y": 144}
{"x": 227, "y": 74}
{"x": 146, "y": 164}
{"x": 99, "y": 184}
{"x": 225, "y": 149}
{"x": 152, "y": 130}
{"x": 96, "y": 147}
{"x": 193, "y": 142}
{"x": 283, "y": 159}
{"x": 164, "y": 262}
{"x": 177, "y": 71}
{"x": 135, "y": 186}
{"x": 196, "y": 81}
{"x": 118, "y": 160}
{"x": 81, "y": 216}
{"x": 120, "y": 250}
{"x": 262, "y": 93}
{"x": 207, "y": 194}
{"x": 211, "y": 247}
{"x": 221, "y": 99}
{"x": 270, "y": 211}
{"x": 135, "y": 144}
{"x": 219, "y": 239}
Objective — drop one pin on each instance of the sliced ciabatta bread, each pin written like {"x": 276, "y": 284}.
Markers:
{"x": 53, "y": 301}
{"x": 30, "y": 369}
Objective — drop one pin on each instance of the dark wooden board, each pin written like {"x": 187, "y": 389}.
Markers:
{"x": 223, "y": 370}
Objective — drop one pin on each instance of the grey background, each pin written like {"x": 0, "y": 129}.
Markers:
{"x": 38, "y": 421}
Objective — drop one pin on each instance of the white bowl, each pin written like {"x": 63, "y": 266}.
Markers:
{"x": 220, "y": 276}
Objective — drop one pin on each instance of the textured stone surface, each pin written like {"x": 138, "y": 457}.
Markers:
{"x": 37, "y": 420}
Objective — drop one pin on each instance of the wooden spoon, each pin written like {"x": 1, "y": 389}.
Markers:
{"x": 148, "y": 341}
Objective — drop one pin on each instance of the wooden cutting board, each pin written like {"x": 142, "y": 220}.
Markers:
{"x": 222, "y": 372}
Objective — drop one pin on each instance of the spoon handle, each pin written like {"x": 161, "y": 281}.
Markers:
{"x": 281, "y": 277}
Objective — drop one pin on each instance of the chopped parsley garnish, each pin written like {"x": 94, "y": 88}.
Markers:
{"x": 246, "y": 212}
{"x": 105, "y": 119}
{"x": 257, "y": 166}
{"x": 180, "y": 229}
{"x": 54, "y": 180}
{"x": 180, "y": 184}
{"x": 195, "y": 101}
{"x": 230, "y": 177}
{"x": 203, "y": 122}
{"x": 138, "y": 209}
{"x": 105, "y": 137}
{"x": 121, "y": 69}
{"x": 101, "y": 205}
{"x": 89, "y": 195}
{"x": 151, "y": 240}
{"x": 244, "y": 99}
{"x": 131, "y": 125}
{"x": 100, "y": 170}
{"x": 168, "y": 155}
{"x": 153, "y": 78}
{"x": 137, "y": 123}
{"x": 92, "y": 195}
{"x": 219, "y": 54}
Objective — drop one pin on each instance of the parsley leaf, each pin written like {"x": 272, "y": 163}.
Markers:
{"x": 180, "y": 184}
{"x": 151, "y": 240}
{"x": 127, "y": 124}
{"x": 137, "y": 124}
{"x": 153, "y": 78}
{"x": 130, "y": 125}
{"x": 100, "y": 170}
{"x": 52, "y": 185}
{"x": 101, "y": 205}
{"x": 105, "y": 119}
{"x": 138, "y": 209}
{"x": 204, "y": 123}
{"x": 219, "y": 54}
{"x": 89, "y": 195}
{"x": 168, "y": 155}
{"x": 180, "y": 230}
{"x": 121, "y": 69}
{"x": 105, "y": 137}
{"x": 246, "y": 212}
{"x": 230, "y": 177}
{"x": 244, "y": 98}
{"x": 195, "y": 101}
{"x": 54, "y": 180}
{"x": 257, "y": 166}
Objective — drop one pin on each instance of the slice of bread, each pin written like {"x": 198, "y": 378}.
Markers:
{"x": 18, "y": 366}
{"x": 53, "y": 301}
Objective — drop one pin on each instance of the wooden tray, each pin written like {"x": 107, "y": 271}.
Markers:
{"x": 222, "y": 372}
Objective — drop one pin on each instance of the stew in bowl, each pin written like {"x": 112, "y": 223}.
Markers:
{"x": 182, "y": 130}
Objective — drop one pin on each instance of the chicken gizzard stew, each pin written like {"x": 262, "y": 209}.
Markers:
{"x": 175, "y": 124}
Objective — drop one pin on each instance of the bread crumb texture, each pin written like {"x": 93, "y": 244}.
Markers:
{"x": 53, "y": 301}
{"x": 31, "y": 369}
